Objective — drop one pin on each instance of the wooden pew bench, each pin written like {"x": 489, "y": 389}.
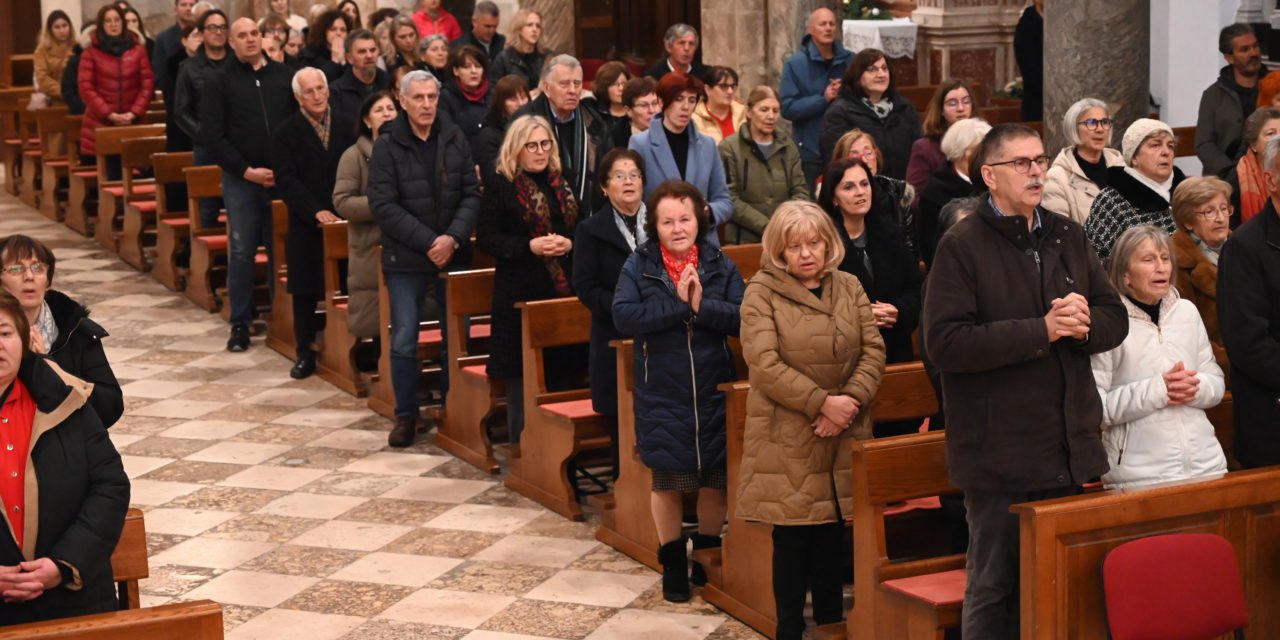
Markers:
{"x": 140, "y": 202}
{"x": 168, "y": 228}
{"x": 196, "y": 620}
{"x": 474, "y": 400}
{"x": 558, "y": 425}
{"x": 280, "y": 336}
{"x": 13, "y": 139}
{"x": 32, "y": 157}
{"x": 207, "y": 270}
{"x": 82, "y": 180}
{"x": 1186, "y": 137}
{"x": 336, "y": 361}
{"x": 51, "y": 124}
{"x": 135, "y": 159}
{"x": 108, "y": 194}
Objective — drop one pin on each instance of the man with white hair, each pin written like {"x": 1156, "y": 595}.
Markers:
{"x": 681, "y": 43}
{"x": 579, "y": 131}
{"x": 810, "y": 81}
{"x": 239, "y": 109}
{"x": 425, "y": 197}
{"x": 484, "y": 30}
{"x": 305, "y": 150}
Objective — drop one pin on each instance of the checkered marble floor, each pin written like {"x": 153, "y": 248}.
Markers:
{"x": 280, "y": 500}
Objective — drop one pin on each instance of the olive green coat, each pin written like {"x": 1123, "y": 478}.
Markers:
{"x": 759, "y": 182}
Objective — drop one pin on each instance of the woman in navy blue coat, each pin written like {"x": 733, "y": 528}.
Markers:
{"x": 678, "y": 296}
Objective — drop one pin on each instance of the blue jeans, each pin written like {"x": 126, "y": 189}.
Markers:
{"x": 249, "y": 217}
{"x": 208, "y": 206}
{"x": 407, "y": 292}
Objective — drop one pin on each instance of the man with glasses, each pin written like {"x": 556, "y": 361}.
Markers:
{"x": 1249, "y": 318}
{"x": 425, "y": 197}
{"x": 361, "y": 77}
{"x": 810, "y": 81}
{"x": 1015, "y": 305}
{"x": 239, "y": 108}
{"x": 579, "y": 131}
{"x": 193, "y": 74}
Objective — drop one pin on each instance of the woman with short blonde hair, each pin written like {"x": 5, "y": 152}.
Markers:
{"x": 517, "y": 137}
{"x": 815, "y": 358}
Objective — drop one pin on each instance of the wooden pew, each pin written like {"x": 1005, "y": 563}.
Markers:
{"x": 1186, "y": 138}
{"x": 32, "y": 156}
{"x": 12, "y": 138}
{"x": 82, "y": 180}
{"x": 51, "y": 124}
{"x": 129, "y": 560}
{"x": 918, "y": 96}
{"x": 169, "y": 224}
{"x": 107, "y": 141}
{"x": 1064, "y": 541}
{"x": 336, "y": 361}
{"x": 1001, "y": 115}
{"x": 138, "y": 224}
{"x": 746, "y": 257}
{"x": 113, "y": 196}
{"x": 474, "y": 399}
{"x": 207, "y": 269}
{"x": 280, "y": 327}
{"x": 196, "y": 620}
{"x": 557, "y": 425}
{"x": 627, "y": 523}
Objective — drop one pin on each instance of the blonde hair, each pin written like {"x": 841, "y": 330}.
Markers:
{"x": 518, "y": 134}
{"x": 518, "y": 20}
{"x": 846, "y": 142}
{"x": 801, "y": 217}
{"x": 1193, "y": 193}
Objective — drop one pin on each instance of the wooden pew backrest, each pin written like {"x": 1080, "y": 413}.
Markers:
{"x": 129, "y": 560}
{"x": 168, "y": 170}
{"x": 1186, "y": 137}
{"x": 905, "y": 394}
{"x": 196, "y": 620}
{"x": 746, "y": 256}
{"x": 202, "y": 182}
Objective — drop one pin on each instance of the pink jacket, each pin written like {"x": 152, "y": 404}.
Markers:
{"x": 444, "y": 24}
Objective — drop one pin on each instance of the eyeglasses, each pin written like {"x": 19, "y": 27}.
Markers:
{"x": 277, "y": 30}
{"x": 879, "y": 68}
{"x": 1023, "y": 165}
{"x": 630, "y": 176}
{"x": 539, "y": 145}
{"x": 1221, "y": 211}
{"x": 955, "y": 104}
{"x": 219, "y": 28}
{"x": 1093, "y": 124}
{"x": 647, "y": 105}
{"x": 16, "y": 270}
{"x": 728, "y": 87}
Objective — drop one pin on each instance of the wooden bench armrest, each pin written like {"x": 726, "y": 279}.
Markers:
{"x": 939, "y": 564}
{"x": 198, "y": 620}
{"x": 563, "y": 396}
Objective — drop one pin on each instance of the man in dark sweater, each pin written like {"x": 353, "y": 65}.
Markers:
{"x": 484, "y": 31}
{"x": 681, "y": 43}
{"x": 170, "y": 41}
{"x": 361, "y": 77}
{"x": 1226, "y": 104}
{"x": 240, "y": 108}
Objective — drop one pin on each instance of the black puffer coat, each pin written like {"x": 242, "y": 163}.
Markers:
{"x": 680, "y": 358}
{"x": 406, "y": 205}
{"x": 78, "y": 351}
{"x": 466, "y": 113}
{"x": 81, "y": 494}
{"x": 600, "y": 250}
{"x": 894, "y": 135}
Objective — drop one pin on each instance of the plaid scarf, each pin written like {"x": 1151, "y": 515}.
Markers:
{"x": 537, "y": 214}
{"x": 321, "y": 126}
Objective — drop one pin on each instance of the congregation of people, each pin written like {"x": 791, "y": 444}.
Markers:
{"x": 1079, "y": 309}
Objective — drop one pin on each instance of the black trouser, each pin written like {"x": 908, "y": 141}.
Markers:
{"x": 306, "y": 322}
{"x": 807, "y": 558}
{"x": 991, "y": 596}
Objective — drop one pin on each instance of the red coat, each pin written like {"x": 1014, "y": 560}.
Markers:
{"x": 444, "y": 24}
{"x": 112, "y": 84}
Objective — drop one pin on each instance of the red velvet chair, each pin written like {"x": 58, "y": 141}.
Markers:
{"x": 1174, "y": 587}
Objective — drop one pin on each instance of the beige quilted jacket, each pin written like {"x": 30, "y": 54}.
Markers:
{"x": 798, "y": 350}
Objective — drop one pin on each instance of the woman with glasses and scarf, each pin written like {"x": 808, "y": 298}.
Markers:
{"x": 1079, "y": 173}
{"x": 868, "y": 101}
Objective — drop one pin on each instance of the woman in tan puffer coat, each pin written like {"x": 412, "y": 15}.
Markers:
{"x": 815, "y": 359}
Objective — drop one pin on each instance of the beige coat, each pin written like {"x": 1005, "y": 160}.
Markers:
{"x": 1066, "y": 189}
{"x": 350, "y": 197}
{"x": 799, "y": 350}
{"x": 708, "y": 126}
{"x": 50, "y": 62}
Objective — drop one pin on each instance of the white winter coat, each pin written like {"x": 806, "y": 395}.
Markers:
{"x": 1148, "y": 441}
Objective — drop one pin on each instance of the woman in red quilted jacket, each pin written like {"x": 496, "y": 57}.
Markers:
{"x": 115, "y": 79}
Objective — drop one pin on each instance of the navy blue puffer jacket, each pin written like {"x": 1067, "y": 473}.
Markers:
{"x": 680, "y": 358}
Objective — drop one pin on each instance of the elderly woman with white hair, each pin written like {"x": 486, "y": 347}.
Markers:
{"x": 951, "y": 181}
{"x": 1157, "y": 384}
{"x": 1139, "y": 192}
{"x": 1079, "y": 173}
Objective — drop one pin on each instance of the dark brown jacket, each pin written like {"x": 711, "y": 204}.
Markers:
{"x": 1023, "y": 414}
{"x": 1197, "y": 281}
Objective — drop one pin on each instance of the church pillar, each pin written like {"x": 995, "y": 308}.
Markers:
{"x": 754, "y": 37}
{"x": 1075, "y": 67}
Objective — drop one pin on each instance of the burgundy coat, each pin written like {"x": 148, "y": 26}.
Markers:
{"x": 112, "y": 84}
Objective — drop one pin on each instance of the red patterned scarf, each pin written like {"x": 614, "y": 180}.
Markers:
{"x": 676, "y": 266}
{"x": 1253, "y": 192}
{"x": 537, "y": 214}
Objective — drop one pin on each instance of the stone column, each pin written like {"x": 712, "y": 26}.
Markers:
{"x": 755, "y": 37}
{"x": 1075, "y": 68}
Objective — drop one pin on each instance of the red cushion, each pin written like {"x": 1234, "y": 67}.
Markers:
{"x": 57, "y": 163}
{"x": 911, "y": 505}
{"x": 117, "y": 190}
{"x": 215, "y": 243}
{"x": 433, "y": 336}
{"x": 476, "y": 370}
{"x": 340, "y": 305}
{"x": 34, "y": 153}
{"x": 177, "y": 222}
{"x": 260, "y": 258}
{"x": 87, "y": 173}
{"x": 938, "y": 589}
{"x": 144, "y": 205}
{"x": 573, "y": 409}
{"x": 143, "y": 189}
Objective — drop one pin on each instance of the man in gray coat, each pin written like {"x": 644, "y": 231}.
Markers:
{"x": 1226, "y": 104}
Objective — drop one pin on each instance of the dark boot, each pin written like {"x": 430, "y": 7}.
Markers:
{"x": 403, "y": 433}
{"x": 675, "y": 571}
{"x": 701, "y": 541}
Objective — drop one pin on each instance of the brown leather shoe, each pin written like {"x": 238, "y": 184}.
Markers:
{"x": 403, "y": 433}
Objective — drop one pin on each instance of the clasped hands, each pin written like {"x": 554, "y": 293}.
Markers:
{"x": 689, "y": 289}
{"x": 837, "y": 415}
{"x": 552, "y": 245}
{"x": 1068, "y": 317}
{"x": 28, "y": 580}
{"x": 1182, "y": 384}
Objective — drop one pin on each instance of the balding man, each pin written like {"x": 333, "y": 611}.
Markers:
{"x": 681, "y": 42}
{"x": 239, "y": 109}
{"x": 578, "y": 130}
{"x": 810, "y": 81}
{"x": 305, "y": 150}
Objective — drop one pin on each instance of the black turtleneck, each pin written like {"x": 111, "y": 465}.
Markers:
{"x": 679, "y": 148}
{"x": 1096, "y": 172}
{"x": 1152, "y": 310}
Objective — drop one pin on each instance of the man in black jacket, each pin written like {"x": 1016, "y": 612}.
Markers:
{"x": 1249, "y": 315}
{"x": 169, "y": 41}
{"x": 361, "y": 77}
{"x": 240, "y": 108}
{"x": 425, "y": 197}
{"x": 1015, "y": 305}
{"x": 484, "y": 30}
{"x": 1229, "y": 101}
{"x": 305, "y": 153}
{"x": 681, "y": 43}
{"x": 193, "y": 73}
{"x": 579, "y": 131}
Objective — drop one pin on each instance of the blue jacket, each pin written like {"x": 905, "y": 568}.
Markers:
{"x": 680, "y": 358}
{"x": 704, "y": 167}
{"x": 804, "y": 80}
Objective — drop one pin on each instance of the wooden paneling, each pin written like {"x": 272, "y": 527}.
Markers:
{"x": 638, "y": 27}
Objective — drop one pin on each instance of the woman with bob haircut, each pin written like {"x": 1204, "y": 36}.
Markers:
{"x": 815, "y": 359}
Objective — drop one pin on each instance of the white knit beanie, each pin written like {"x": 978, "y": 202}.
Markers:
{"x": 1137, "y": 132}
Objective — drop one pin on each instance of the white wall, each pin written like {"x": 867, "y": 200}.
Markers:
{"x": 72, "y": 7}
{"x": 1185, "y": 58}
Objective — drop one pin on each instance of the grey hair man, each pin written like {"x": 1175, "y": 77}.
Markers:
{"x": 681, "y": 42}
{"x": 484, "y": 30}
{"x": 361, "y": 76}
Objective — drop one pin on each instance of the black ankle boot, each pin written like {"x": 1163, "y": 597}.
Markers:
{"x": 675, "y": 571}
{"x": 700, "y": 541}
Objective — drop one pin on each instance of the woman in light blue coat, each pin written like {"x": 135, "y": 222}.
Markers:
{"x": 674, "y": 150}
